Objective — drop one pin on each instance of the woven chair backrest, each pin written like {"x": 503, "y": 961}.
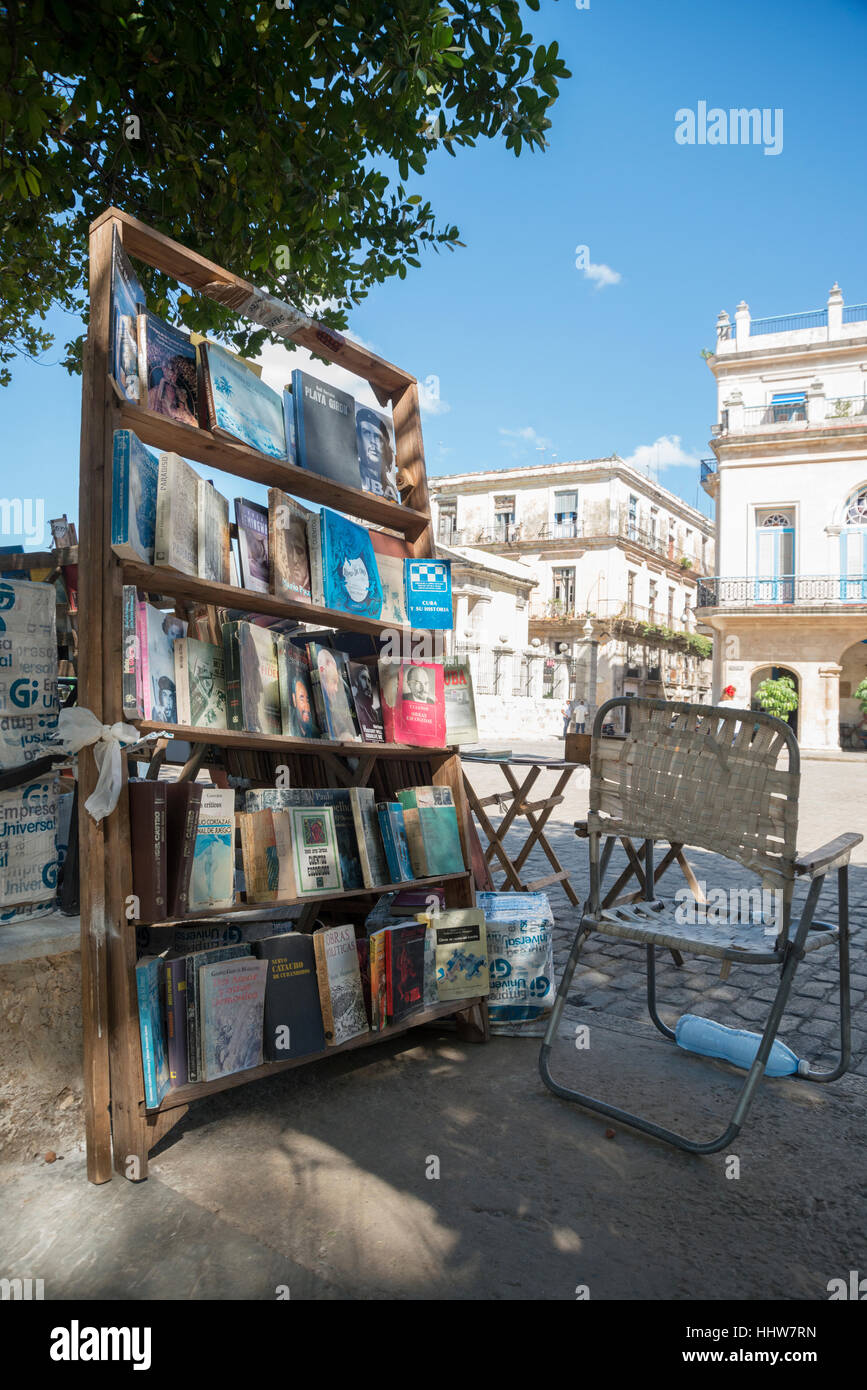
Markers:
{"x": 702, "y": 775}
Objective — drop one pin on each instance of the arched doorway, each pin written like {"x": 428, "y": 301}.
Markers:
{"x": 853, "y": 670}
{"x": 774, "y": 673}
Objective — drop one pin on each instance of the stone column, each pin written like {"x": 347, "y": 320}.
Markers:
{"x": 742, "y": 325}
{"x": 815, "y": 402}
{"x": 829, "y": 680}
{"x": 835, "y": 312}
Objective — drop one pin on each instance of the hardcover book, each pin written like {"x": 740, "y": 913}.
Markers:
{"x": 213, "y": 873}
{"x": 413, "y": 702}
{"x": 252, "y": 523}
{"x": 340, "y": 993}
{"x": 333, "y": 694}
{"x": 133, "y": 498}
{"x": 350, "y": 579}
{"x": 404, "y": 970}
{"x": 158, "y": 631}
{"x": 287, "y": 544}
{"x": 429, "y": 812}
{"x": 127, "y": 296}
{"x": 364, "y": 684}
{"x": 429, "y": 594}
{"x": 148, "y": 983}
{"x": 201, "y": 684}
{"x": 460, "y": 703}
{"x": 183, "y": 803}
{"x": 192, "y": 964}
{"x": 232, "y": 1004}
{"x": 340, "y": 803}
{"x": 176, "y": 1021}
{"x": 314, "y": 850}
{"x": 167, "y": 369}
{"x": 377, "y": 456}
{"x": 325, "y": 437}
{"x": 293, "y": 1014}
{"x": 260, "y": 689}
{"x": 238, "y": 404}
{"x": 176, "y": 542}
{"x": 212, "y": 548}
{"x": 147, "y": 817}
{"x": 374, "y": 865}
{"x": 391, "y": 552}
{"x": 393, "y": 830}
{"x": 297, "y": 708}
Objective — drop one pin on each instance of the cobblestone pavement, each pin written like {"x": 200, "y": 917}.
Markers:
{"x": 610, "y": 977}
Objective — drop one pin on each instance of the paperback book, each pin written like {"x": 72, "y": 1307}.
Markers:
{"x": 332, "y": 693}
{"x": 192, "y": 964}
{"x": 183, "y": 803}
{"x": 135, "y": 471}
{"x": 297, "y": 709}
{"x": 393, "y": 831}
{"x": 238, "y": 404}
{"x": 432, "y": 830}
{"x": 176, "y": 542}
{"x": 148, "y": 983}
{"x": 232, "y": 1004}
{"x": 167, "y": 369}
{"x": 325, "y": 437}
{"x": 461, "y": 951}
{"x": 287, "y": 543}
{"x": 213, "y": 872}
{"x": 391, "y": 554}
{"x": 127, "y": 296}
{"x": 429, "y": 594}
{"x": 314, "y": 850}
{"x": 260, "y": 689}
{"x": 413, "y": 702}
{"x": 176, "y": 1021}
{"x": 201, "y": 684}
{"x": 460, "y": 703}
{"x": 364, "y": 684}
{"x": 293, "y": 1014}
{"x": 377, "y": 457}
{"x": 252, "y": 523}
{"x": 212, "y": 533}
{"x": 404, "y": 970}
{"x": 340, "y": 803}
{"x": 157, "y": 633}
{"x": 349, "y": 576}
{"x": 374, "y": 865}
{"x": 340, "y": 992}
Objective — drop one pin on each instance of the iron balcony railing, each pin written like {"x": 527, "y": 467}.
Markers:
{"x": 708, "y": 468}
{"x": 623, "y": 530}
{"x": 613, "y": 611}
{"x": 787, "y": 323}
{"x": 791, "y": 413}
{"x": 805, "y": 590}
{"x": 854, "y": 313}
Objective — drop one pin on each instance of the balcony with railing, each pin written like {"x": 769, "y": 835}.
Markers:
{"x": 837, "y": 320}
{"x": 630, "y": 620}
{"x": 784, "y": 591}
{"x": 522, "y": 534}
{"x": 813, "y": 412}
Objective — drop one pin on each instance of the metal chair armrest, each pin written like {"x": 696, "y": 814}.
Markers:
{"x": 834, "y": 855}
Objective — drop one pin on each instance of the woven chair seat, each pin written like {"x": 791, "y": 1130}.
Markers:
{"x": 655, "y": 924}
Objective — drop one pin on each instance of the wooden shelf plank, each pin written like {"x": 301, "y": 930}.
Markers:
{"x": 204, "y": 447}
{"x": 182, "y": 1095}
{"x": 282, "y": 743}
{"x": 158, "y": 579}
{"x": 198, "y": 272}
{"x": 260, "y": 909}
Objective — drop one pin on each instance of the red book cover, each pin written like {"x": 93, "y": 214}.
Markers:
{"x": 413, "y": 702}
{"x": 404, "y": 970}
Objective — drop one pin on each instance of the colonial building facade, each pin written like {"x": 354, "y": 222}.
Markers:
{"x": 605, "y": 543}
{"x": 789, "y": 477}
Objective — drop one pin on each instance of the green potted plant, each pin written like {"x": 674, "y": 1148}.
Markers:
{"x": 685, "y": 562}
{"x": 860, "y": 694}
{"x": 777, "y": 696}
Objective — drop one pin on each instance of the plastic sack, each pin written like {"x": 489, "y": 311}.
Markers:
{"x": 78, "y": 728}
{"x": 520, "y": 929}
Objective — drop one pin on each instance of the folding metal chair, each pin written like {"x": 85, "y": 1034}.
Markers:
{"x": 716, "y": 778}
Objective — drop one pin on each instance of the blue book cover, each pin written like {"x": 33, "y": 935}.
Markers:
{"x": 350, "y": 578}
{"x": 135, "y": 471}
{"x": 232, "y": 1004}
{"x": 240, "y": 404}
{"x": 394, "y": 838}
{"x": 148, "y": 983}
{"x": 428, "y": 586}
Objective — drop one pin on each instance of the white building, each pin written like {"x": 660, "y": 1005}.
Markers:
{"x": 790, "y": 481}
{"x": 603, "y": 541}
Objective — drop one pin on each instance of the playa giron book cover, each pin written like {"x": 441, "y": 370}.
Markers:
{"x": 325, "y": 437}
{"x": 413, "y": 702}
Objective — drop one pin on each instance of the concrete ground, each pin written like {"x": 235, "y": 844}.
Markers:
{"x": 321, "y": 1181}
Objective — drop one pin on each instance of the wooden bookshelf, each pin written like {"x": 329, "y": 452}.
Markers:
{"x": 121, "y": 1132}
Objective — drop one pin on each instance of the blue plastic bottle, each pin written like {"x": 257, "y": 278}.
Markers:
{"x": 734, "y": 1045}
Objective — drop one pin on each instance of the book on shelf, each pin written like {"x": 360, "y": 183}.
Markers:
{"x": 237, "y": 404}
{"x": 147, "y": 817}
{"x": 371, "y": 853}
{"x": 364, "y": 685}
{"x": 340, "y": 803}
{"x": 429, "y": 594}
{"x": 315, "y": 857}
{"x": 293, "y": 1013}
{"x": 176, "y": 542}
{"x": 130, "y": 681}
{"x": 332, "y": 694}
{"x": 200, "y": 679}
{"x": 258, "y": 678}
{"x": 157, "y": 631}
{"x": 325, "y": 437}
{"x": 460, "y": 703}
{"x": 127, "y": 297}
{"x": 288, "y": 524}
{"x": 253, "y": 544}
{"x": 461, "y": 951}
{"x": 266, "y": 851}
{"x": 349, "y": 576}
{"x": 175, "y": 994}
{"x": 377, "y": 456}
{"x": 212, "y": 533}
{"x": 63, "y": 532}
{"x": 232, "y": 672}
{"x": 391, "y": 553}
{"x": 149, "y": 986}
{"x": 362, "y": 947}
{"x": 413, "y": 702}
{"x": 232, "y": 999}
{"x": 340, "y": 992}
{"x": 393, "y": 831}
{"x": 135, "y": 471}
{"x": 183, "y": 803}
{"x": 297, "y": 706}
{"x": 289, "y": 426}
{"x": 192, "y": 964}
{"x": 432, "y": 830}
{"x": 167, "y": 369}
{"x": 213, "y": 871}
{"x": 404, "y": 970}
{"x": 378, "y": 982}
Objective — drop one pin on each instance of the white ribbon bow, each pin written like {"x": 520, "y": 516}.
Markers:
{"x": 78, "y": 728}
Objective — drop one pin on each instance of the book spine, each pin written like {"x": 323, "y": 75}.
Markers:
{"x": 131, "y": 658}
{"x": 232, "y": 662}
{"x": 146, "y": 1025}
{"x": 389, "y": 975}
{"x": 142, "y": 344}
{"x": 162, "y": 531}
{"x": 120, "y": 488}
{"x": 361, "y": 839}
{"x": 181, "y": 903}
{"x": 388, "y": 843}
{"x": 206, "y": 394}
{"x": 182, "y": 681}
{"x": 314, "y": 545}
{"x": 324, "y": 987}
{"x": 176, "y": 1022}
{"x": 192, "y": 993}
{"x": 319, "y": 698}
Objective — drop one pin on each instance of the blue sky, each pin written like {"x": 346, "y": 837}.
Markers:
{"x": 534, "y": 359}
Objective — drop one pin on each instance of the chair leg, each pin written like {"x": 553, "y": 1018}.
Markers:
{"x": 651, "y": 993}
{"x": 845, "y": 997}
{"x": 751, "y": 1081}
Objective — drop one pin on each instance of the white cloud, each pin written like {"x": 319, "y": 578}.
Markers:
{"x": 429, "y": 397}
{"x": 601, "y": 275}
{"x": 278, "y": 363}
{"x": 515, "y": 439}
{"x": 665, "y": 452}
